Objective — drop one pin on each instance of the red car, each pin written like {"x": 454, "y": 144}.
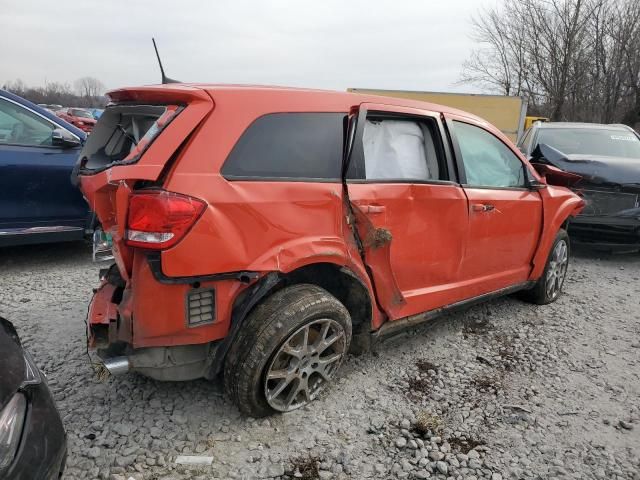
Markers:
{"x": 78, "y": 117}
{"x": 261, "y": 232}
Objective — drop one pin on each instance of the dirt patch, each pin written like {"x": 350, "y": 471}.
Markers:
{"x": 304, "y": 468}
{"x": 477, "y": 327}
{"x": 425, "y": 365}
{"x": 378, "y": 237}
{"x": 464, "y": 445}
{"x": 490, "y": 383}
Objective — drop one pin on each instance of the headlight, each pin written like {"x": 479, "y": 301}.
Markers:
{"x": 11, "y": 422}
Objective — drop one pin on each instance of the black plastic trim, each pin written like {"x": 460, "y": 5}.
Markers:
{"x": 392, "y": 327}
{"x": 240, "y": 311}
{"x": 155, "y": 264}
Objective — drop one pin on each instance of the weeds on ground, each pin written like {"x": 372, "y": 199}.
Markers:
{"x": 427, "y": 423}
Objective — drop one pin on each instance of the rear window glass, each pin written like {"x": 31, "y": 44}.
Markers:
{"x": 591, "y": 141}
{"x": 123, "y": 133}
{"x": 289, "y": 145}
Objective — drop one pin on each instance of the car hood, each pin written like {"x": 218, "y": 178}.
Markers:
{"x": 594, "y": 169}
{"x": 610, "y": 186}
{"x": 12, "y": 360}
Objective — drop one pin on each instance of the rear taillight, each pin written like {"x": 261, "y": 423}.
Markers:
{"x": 158, "y": 219}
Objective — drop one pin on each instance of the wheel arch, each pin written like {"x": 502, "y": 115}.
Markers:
{"x": 558, "y": 212}
{"x": 338, "y": 280}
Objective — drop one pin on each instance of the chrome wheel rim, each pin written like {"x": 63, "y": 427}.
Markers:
{"x": 304, "y": 364}
{"x": 557, "y": 270}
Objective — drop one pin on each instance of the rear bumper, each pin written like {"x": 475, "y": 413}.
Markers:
{"x": 165, "y": 331}
{"x": 606, "y": 231}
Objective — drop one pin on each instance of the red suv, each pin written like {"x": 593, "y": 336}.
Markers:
{"x": 78, "y": 117}
{"x": 260, "y": 232}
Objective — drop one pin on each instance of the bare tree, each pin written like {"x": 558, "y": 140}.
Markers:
{"x": 89, "y": 87}
{"x": 572, "y": 59}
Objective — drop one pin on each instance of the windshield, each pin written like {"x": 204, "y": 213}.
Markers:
{"x": 80, "y": 113}
{"x": 591, "y": 141}
{"x": 123, "y": 133}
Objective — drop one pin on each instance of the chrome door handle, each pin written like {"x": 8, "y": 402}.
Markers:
{"x": 482, "y": 207}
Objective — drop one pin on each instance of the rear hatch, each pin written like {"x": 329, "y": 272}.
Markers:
{"x": 132, "y": 144}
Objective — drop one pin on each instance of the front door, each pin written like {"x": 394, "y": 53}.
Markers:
{"x": 505, "y": 216}
{"x": 410, "y": 213}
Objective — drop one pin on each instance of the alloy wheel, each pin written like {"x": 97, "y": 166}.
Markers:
{"x": 557, "y": 270}
{"x": 304, "y": 364}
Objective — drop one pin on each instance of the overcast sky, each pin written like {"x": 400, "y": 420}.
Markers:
{"x": 412, "y": 45}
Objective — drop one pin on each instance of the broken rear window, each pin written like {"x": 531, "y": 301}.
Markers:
{"x": 123, "y": 133}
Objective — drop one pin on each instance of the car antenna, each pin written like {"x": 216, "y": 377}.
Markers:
{"x": 165, "y": 79}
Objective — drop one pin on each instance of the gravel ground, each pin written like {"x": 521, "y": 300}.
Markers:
{"x": 504, "y": 390}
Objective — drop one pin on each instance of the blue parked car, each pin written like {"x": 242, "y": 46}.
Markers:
{"x": 38, "y": 151}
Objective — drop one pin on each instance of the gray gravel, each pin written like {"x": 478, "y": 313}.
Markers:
{"x": 505, "y": 390}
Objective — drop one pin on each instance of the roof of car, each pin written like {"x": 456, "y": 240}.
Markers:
{"x": 353, "y": 98}
{"x": 601, "y": 126}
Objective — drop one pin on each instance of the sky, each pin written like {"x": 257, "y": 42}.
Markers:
{"x": 402, "y": 44}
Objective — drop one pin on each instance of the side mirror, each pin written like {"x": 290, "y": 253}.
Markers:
{"x": 62, "y": 138}
{"x": 535, "y": 184}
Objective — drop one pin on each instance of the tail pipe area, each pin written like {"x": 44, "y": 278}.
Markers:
{"x": 117, "y": 365}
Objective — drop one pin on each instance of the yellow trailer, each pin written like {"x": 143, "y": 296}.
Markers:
{"x": 506, "y": 113}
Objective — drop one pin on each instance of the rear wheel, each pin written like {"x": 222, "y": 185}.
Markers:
{"x": 288, "y": 350}
{"x": 549, "y": 286}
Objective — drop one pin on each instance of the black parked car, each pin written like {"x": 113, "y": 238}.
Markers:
{"x": 607, "y": 160}
{"x": 32, "y": 438}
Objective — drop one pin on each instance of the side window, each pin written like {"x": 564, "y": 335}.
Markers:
{"x": 400, "y": 149}
{"x": 289, "y": 145}
{"x": 19, "y": 126}
{"x": 487, "y": 161}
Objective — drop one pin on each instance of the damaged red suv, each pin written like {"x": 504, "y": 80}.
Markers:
{"x": 261, "y": 232}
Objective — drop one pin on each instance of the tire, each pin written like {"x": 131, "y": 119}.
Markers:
{"x": 272, "y": 341}
{"x": 541, "y": 294}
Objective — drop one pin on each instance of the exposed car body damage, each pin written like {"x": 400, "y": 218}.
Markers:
{"x": 610, "y": 187}
{"x": 386, "y": 249}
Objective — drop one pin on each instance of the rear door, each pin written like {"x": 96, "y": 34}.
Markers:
{"x": 410, "y": 213}
{"x": 35, "y": 186}
{"x": 505, "y": 216}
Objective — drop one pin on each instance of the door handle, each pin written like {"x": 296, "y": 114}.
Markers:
{"x": 482, "y": 207}
{"x": 373, "y": 209}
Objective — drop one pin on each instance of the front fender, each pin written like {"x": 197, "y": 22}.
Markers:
{"x": 558, "y": 205}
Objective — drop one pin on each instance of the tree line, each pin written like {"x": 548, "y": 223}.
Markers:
{"x": 574, "y": 60}
{"x": 86, "y": 92}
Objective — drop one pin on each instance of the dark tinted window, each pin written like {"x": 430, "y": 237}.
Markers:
{"x": 289, "y": 145}
{"x": 591, "y": 141}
